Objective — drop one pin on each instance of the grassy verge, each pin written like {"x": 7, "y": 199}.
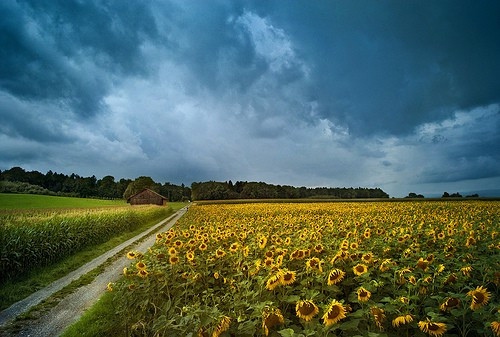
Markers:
{"x": 101, "y": 320}
{"x": 13, "y": 291}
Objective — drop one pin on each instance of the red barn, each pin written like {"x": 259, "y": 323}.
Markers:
{"x": 147, "y": 196}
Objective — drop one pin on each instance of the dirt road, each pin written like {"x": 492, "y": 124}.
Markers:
{"x": 69, "y": 310}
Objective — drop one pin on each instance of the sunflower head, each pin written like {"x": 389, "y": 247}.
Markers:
{"x": 142, "y": 273}
{"x": 140, "y": 265}
{"x": 360, "y": 269}
{"x": 262, "y": 242}
{"x": 402, "y": 320}
{"x": 222, "y": 326}
{"x": 480, "y": 296}
{"x": 273, "y": 281}
{"x": 271, "y": 317}
{"x": 334, "y": 313}
{"x": 314, "y": 264}
{"x": 306, "y": 310}
{"x": 335, "y": 276}
{"x": 432, "y": 328}
{"x": 287, "y": 277}
{"x": 378, "y": 315}
{"x": 449, "y": 303}
{"x": 363, "y": 294}
{"x": 495, "y": 326}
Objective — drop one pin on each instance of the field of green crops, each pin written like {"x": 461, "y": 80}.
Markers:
{"x": 55, "y": 227}
{"x": 10, "y": 201}
{"x": 368, "y": 269}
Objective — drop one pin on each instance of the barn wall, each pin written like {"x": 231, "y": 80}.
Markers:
{"x": 146, "y": 197}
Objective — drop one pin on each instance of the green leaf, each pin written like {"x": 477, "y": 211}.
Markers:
{"x": 289, "y": 333}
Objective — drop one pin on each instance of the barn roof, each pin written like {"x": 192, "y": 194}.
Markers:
{"x": 146, "y": 189}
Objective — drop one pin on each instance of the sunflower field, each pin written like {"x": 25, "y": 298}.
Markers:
{"x": 319, "y": 269}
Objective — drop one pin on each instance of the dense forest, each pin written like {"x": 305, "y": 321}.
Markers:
{"x": 213, "y": 190}
{"x": 18, "y": 180}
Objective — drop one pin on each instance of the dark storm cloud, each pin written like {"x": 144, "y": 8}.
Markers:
{"x": 387, "y": 66}
{"x": 331, "y": 93}
{"x": 69, "y": 51}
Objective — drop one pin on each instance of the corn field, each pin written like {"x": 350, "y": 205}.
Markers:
{"x": 38, "y": 238}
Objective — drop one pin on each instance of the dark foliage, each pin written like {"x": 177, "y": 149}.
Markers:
{"x": 213, "y": 190}
{"x": 74, "y": 185}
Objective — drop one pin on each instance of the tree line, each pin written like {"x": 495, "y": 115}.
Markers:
{"x": 213, "y": 190}
{"x": 18, "y": 180}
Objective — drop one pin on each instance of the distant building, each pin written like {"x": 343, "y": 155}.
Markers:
{"x": 147, "y": 196}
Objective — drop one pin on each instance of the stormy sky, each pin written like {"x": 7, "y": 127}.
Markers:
{"x": 401, "y": 95}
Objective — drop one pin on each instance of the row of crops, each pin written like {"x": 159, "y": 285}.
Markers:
{"x": 322, "y": 269}
{"x": 31, "y": 239}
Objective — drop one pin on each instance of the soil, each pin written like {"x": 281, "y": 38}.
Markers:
{"x": 54, "y": 321}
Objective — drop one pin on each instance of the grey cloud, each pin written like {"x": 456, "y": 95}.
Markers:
{"x": 387, "y": 66}
{"x": 66, "y": 50}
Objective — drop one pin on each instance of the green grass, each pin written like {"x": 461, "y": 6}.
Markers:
{"x": 11, "y": 201}
{"x": 15, "y": 290}
{"x": 102, "y": 319}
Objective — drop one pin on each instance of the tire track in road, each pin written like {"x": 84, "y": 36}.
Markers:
{"x": 70, "y": 308}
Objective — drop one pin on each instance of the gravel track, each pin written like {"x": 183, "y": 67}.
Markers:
{"x": 69, "y": 309}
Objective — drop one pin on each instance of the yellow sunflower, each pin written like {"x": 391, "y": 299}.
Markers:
{"x": 318, "y": 248}
{"x": 449, "y": 303}
{"x": 401, "y": 320}
{"x": 219, "y": 253}
{"x": 234, "y": 247}
{"x": 271, "y": 317}
{"x": 360, "y": 269}
{"x": 367, "y": 258}
{"x": 363, "y": 294}
{"x": 190, "y": 256}
{"x": 142, "y": 273}
{"x": 287, "y": 277}
{"x": 306, "y": 310}
{"x": 335, "y": 276}
{"x": 140, "y": 265}
{"x": 222, "y": 326}
{"x": 262, "y": 242}
{"x": 131, "y": 255}
{"x": 174, "y": 259}
{"x": 466, "y": 270}
{"x": 315, "y": 264}
{"x": 422, "y": 264}
{"x": 479, "y": 297}
{"x": 336, "y": 311}
{"x": 495, "y": 326}
{"x": 384, "y": 266}
{"x": 379, "y": 316}
{"x": 172, "y": 251}
{"x": 432, "y": 328}
{"x": 273, "y": 281}
{"x": 202, "y": 246}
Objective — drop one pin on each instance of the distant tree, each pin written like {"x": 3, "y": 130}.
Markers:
{"x": 106, "y": 187}
{"x": 456, "y": 195}
{"x": 139, "y": 184}
{"x": 414, "y": 195}
{"x": 445, "y": 195}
